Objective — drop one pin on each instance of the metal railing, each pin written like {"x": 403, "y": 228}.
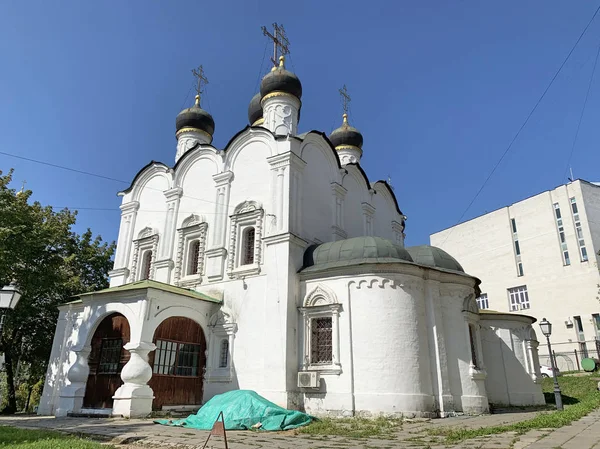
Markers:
{"x": 570, "y": 360}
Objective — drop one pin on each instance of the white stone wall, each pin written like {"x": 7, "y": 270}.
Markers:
{"x": 403, "y": 344}
{"x": 511, "y": 359}
{"x": 484, "y": 247}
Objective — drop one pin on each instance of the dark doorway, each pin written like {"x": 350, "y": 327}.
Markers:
{"x": 106, "y": 361}
{"x": 178, "y": 363}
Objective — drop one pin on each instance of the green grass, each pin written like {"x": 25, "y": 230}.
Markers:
{"x": 353, "y": 427}
{"x": 14, "y": 438}
{"x": 580, "y": 397}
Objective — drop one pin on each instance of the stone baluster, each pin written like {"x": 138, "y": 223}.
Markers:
{"x": 134, "y": 398}
{"x": 71, "y": 397}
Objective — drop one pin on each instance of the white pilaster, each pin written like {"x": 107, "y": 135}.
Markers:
{"x": 337, "y": 227}
{"x": 215, "y": 255}
{"x": 134, "y": 398}
{"x": 120, "y": 272}
{"x": 368, "y": 219}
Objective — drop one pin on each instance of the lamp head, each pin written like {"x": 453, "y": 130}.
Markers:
{"x": 546, "y": 327}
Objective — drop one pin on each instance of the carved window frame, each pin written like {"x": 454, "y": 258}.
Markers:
{"x": 246, "y": 215}
{"x": 221, "y": 327}
{"x": 321, "y": 302}
{"x": 147, "y": 241}
{"x": 193, "y": 228}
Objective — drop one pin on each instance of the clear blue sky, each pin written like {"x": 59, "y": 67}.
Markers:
{"x": 439, "y": 88}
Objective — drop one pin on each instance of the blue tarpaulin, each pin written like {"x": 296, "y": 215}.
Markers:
{"x": 242, "y": 410}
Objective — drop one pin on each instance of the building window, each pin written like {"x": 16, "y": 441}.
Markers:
{"x": 596, "y": 318}
{"x": 482, "y": 301}
{"x": 248, "y": 246}
{"x": 579, "y": 231}
{"x": 321, "y": 341}
{"x": 321, "y": 314}
{"x": 561, "y": 235}
{"x": 189, "y": 263}
{"x": 517, "y": 248}
{"x": 473, "y": 342}
{"x": 518, "y": 298}
{"x": 514, "y": 225}
{"x": 579, "y": 328}
{"x": 245, "y": 246}
{"x": 224, "y": 354}
{"x": 174, "y": 358}
{"x": 144, "y": 251}
{"x": 110, "y": 356}
{"x": 146, "y": 265}
{"x": 520, "y": 267}
{"x": 193, "y": 257}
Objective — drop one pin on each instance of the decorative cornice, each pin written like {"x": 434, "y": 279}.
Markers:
{"x": 223, "y": 178}
{"x": 285, "y": 160}
{"x": 338, "y": 190}
{"x": 349, "y": 147}
{"x": 286, "y": 237}
{"x": 368, "y": 209}
{"x": 336, "y": 230}
{"x": 193, "y": 130}
{"x": 275, "y": 94}
{"x": 127, "y": 208}
{"x": 174, "y": 193}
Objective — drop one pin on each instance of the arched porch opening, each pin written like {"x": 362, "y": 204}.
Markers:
{"x": 178, "y": 363}
{"x": 106, "y": 360}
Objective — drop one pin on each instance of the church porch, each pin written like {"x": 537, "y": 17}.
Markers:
{"x": 129, "y": 350}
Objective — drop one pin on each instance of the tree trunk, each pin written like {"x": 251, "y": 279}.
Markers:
{"x": 28, "y": 398}
{"x": 10, "y": 384}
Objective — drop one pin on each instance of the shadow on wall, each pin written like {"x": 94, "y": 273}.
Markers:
{"x": 511, "y": 361}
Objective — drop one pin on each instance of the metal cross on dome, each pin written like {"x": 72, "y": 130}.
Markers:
{"x": 202, "y": 80}
{"x": 280, "y": 42}
{"x": 345, "y": 98}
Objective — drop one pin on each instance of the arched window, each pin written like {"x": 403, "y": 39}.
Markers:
{"x": 248, "y": 246}
{"x": 224, "y": 355}
{"x": 473, "y": 341}
{"x": 146, "y": 265}
{"x": 193, "y": 257}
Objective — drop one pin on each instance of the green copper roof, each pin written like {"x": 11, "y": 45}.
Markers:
{"x": 146, "y": 284}
{"x": 354, "y": 251}
{"x": 434, "y": 257}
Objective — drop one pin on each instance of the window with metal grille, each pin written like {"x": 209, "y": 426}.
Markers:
{"x": 146, "y": 265}
{"x": 473, "y": 342}
{"x": 248, "y": 247}
{"x": 321, "y": 341}
{"x": 482, "y": 301}
{"x": 193, "y": 257}
{"x": 110, "y": 356}
{"x": 224, "y": 356}
{"x": 518, "y": 298}
{"x": 173, "y": 358}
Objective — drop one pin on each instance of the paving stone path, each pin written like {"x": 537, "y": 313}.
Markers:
{"x": 415, "y": 434}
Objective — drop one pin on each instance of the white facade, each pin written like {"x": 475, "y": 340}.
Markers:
{"x": 376, "y": 330}
{"x": 555, "y": 261}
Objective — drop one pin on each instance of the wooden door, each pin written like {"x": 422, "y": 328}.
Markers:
{"x": 106, "y": 361}
{"x": 178, "y": 363}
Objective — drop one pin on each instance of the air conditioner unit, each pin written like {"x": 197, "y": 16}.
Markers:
{"x": 308, "y": 379}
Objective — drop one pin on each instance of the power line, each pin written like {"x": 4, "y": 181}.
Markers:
{"x": 587, "y": 94}
{"x": 97, "y": 175}
{"x": 525, "y": 122}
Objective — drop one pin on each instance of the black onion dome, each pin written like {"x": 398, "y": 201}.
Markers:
{"x": 346, "y": 135}
{"x": 196, "y": 118}
{"x": 255, "y": 111}
{"x": 281, "y": 80}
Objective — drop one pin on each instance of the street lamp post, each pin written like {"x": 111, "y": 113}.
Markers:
{"x": 9, "y": 297}
{"x": 546, "y": 327}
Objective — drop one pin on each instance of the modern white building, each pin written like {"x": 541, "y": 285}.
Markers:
{"x": 539, "y": 256}
{"x": 275, "y": 265}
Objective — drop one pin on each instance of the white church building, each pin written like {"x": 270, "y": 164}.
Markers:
{"x": 275, "y": 265}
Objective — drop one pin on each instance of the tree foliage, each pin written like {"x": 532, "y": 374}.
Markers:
{"x": 49, "y": 263}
